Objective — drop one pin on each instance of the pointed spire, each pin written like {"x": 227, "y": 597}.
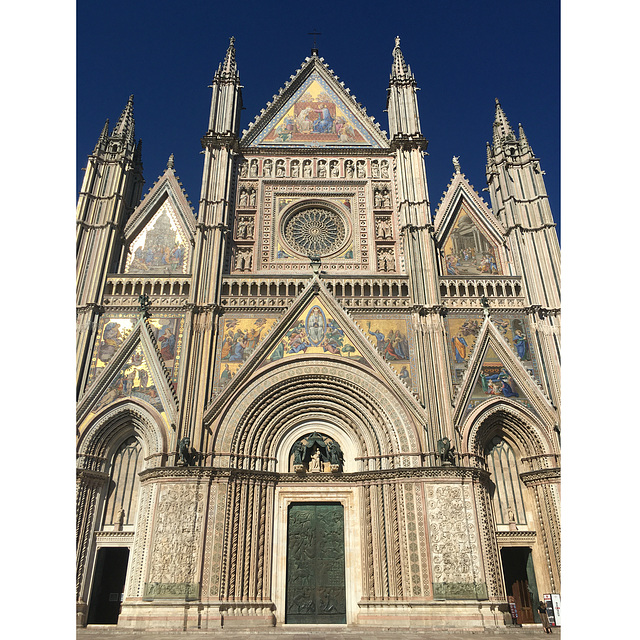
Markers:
{"x": 501, "y": 127}
{"x": 524, "y": 143}
{"x": 126, "y": 125}
{"x": 170, "y": 162}
{"x": 399, "y": 70}
{"x": 228, "y": 67}
{"x": 104, "y": 135}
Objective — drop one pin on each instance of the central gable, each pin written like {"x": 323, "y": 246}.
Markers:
{"x": 315, "y": 115}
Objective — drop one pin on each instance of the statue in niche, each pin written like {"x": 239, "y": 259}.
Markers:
{"x": 317, "y": 453}
{"x": 335, "y": 453}
{"x": 512, "y": 519}
{"x": 335, "y": 170}
{"x": 249, "y": 228}
{"x": 298, "y": 452}
{"x": 306, "y": 170}
{"x": 445, "y": 451}
{"x": 349, "y": 169}
{"x": 322, "y": 169}
{"x": 254, "y": 168}
{"x": 120, "y": 521}
{"x": 266, "y": 169}
{"x": 244, "y": 198}
{"x": 386, "y": 198}
{"x": 295, "y": 169}
{"x": 383, "y": 229}
{"x": 252, "y": 198}
{"x": 243, "y": 170}
{"x": 375, "y": 170}
{"x": 315, "y": 463}
{"x": 280, "y": 169}
{"x": 377, "y": 198}
{"x": 360, "y": 169}
{"x": 385, "y": 169}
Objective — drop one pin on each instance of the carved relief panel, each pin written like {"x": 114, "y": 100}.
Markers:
{"x": 454, "y": 543}
{"x": 175, "y": 546}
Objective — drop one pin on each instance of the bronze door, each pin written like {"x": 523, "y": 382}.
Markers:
{"x": 315, "y": 564}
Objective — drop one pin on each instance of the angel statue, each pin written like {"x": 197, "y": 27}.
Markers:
{"x": 445, "y": 451}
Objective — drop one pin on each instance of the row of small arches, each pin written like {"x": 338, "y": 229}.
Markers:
{"x": 292, "y": 289}
{"x": 500, "y": 289}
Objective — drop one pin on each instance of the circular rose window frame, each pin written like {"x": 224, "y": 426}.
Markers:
{"x": 308, "y": 205}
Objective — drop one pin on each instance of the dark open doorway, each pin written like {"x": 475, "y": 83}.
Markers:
{"x": 520, "y": 581}
{"x": 108, "y": 585}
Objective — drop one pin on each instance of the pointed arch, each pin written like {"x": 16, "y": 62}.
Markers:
{"x": 255, "y": 430}
{"x": 112, "y": 426}
{"x": 516, "y": 424}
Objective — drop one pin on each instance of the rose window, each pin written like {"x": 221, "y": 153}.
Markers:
{"x": 315, "y": 232}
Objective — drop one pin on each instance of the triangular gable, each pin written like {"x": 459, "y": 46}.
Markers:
{"x": 494, "y": 372}
{"x": 315, "y": 110}
{"x": 160, "y": 233}
{"x": 136, "y": 371}
{"x": 314, "y": 326}
{"x": 471, "y": 238}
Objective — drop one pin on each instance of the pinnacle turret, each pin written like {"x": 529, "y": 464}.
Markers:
{"x": 501, "y": 128}
{"x": 228, "y": 69}
{"x": 104, "y": 136}
{"x": 400, "y": 71}
{"x": 125, "y": 127}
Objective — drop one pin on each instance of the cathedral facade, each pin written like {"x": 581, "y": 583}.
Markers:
{"x": 314, "y": 400}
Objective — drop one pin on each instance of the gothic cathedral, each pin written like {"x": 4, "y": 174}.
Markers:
{"x": 314, "y": 400}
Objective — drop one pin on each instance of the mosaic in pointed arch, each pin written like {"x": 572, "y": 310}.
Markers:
{"x": 468, "y": 251}
{"x": 162, "y": 247}
{"x": 133, "y": 380}
{"x": 462, "y": 332}
{"x": 495, "y": 380}
{"x": 393, "y": 339}
{"x": 113, "y": 330}
{"x": 316, "y": 117}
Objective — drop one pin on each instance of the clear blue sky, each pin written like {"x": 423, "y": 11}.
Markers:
{"x": 464, "y": 54}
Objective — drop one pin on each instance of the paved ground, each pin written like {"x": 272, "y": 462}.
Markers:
{"x": 506, "y": 633}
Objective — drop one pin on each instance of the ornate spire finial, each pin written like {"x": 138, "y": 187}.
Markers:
{"x": 501, "y": 125}
{"x": 170, "y": 162}
{"x": 456, "y": 163}
{"x": 399, "y": 69}
{"x": 125, "y": 125}
{"x": 228, "y": 66}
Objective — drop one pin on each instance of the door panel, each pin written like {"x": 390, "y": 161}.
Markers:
{"x": 315, "y": 564}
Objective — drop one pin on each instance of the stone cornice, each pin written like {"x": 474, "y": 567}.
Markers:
{"x": 402, "y": 141}
{"x": 541, "y": 476}
{"x": 91, "y": 478}
{"x": 220, "y": 140}
{"x": 385, "y": 475}
{"x": 315, "y": 152}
